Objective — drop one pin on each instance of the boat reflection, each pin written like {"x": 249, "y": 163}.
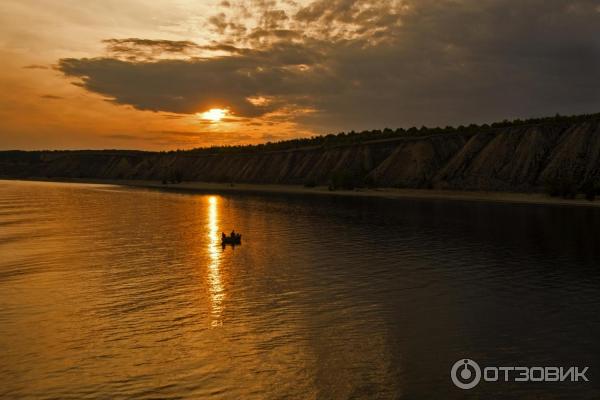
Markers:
{"x": 217, "y": 291}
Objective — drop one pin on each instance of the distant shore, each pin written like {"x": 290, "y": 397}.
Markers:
{"x": 390, "y": 193}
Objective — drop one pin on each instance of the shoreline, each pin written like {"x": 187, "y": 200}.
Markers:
{"x": 387, "y": 193}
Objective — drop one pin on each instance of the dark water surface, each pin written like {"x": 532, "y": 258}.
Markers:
{"x": 112, "y": 292}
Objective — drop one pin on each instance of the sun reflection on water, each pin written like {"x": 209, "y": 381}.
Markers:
{"x": 217, "y": 292}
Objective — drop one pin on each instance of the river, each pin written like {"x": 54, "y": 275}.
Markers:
{"x": 116, "y": 292}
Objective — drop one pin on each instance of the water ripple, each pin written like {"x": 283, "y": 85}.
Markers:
{"x": 110, "y": 292}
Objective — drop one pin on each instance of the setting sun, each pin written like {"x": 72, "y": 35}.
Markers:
{"x": 214, "y": 114}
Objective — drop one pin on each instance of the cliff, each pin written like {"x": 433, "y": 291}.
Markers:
{"x": 526, "y": 157}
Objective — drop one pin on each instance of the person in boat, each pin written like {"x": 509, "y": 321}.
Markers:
{"x": 223, "y": 236}
{"x": 233, "y": 234}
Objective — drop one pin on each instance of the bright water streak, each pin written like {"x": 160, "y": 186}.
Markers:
{"x": 110, "y": 292}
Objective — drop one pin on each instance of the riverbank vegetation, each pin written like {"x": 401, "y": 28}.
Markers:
{"x": 568, "y": 189}
{"x": 352, "y": 137}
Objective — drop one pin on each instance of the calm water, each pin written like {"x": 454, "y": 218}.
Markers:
{"x": 111, "y": 292}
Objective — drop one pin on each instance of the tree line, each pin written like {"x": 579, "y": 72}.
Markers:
{"x": 353, "y": 137}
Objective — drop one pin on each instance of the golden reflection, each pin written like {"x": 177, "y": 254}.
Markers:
{"x": 217, "y": 292}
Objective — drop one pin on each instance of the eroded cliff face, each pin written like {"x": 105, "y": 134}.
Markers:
{"x": 525, "y": 158}
{"x": 521, "y": 158}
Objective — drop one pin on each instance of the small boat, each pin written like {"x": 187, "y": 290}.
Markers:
{"x": 233, "y": 240}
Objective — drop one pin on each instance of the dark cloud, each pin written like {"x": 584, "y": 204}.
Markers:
{"x": 364, "y": 64}
{"x": 147, "y": 49}
{"x": 51, "y": 97}
{"x": 36, "y": 66}
{"x": 190, "y": 86}
{"x": 228, "y": 48}
{"x": 173, "y": 116}
{"x": 274, "y": 33}
{"x": 369, "y": 21}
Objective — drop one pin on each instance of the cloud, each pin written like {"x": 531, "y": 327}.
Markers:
{"x": 364, "y": 64}
{"x": 192, "y": 85}
{"x": 147, "y": 49}
{"x": 51, "y": 97}
{"x": 36, "y": 66}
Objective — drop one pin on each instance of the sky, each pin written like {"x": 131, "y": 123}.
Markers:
{"x": 180, "y": 74}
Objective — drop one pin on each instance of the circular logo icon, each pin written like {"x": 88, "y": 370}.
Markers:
{"x": 465, "y": 374}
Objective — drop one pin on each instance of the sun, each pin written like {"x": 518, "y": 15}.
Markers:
{"x": 214, "y": 114}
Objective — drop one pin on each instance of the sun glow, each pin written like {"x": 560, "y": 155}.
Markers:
{"x": 214, "y": 114}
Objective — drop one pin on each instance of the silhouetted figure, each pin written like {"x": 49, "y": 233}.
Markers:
{"x": 233, "y": 238}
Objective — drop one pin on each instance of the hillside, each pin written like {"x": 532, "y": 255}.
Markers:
{"x": 505, "y": 157}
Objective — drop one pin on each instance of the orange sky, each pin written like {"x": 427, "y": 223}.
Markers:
{"x": 40, "y": 108}
{"x": 140, "y": 74}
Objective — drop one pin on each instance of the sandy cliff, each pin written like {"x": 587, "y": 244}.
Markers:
{"x": 520, "y": 158}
